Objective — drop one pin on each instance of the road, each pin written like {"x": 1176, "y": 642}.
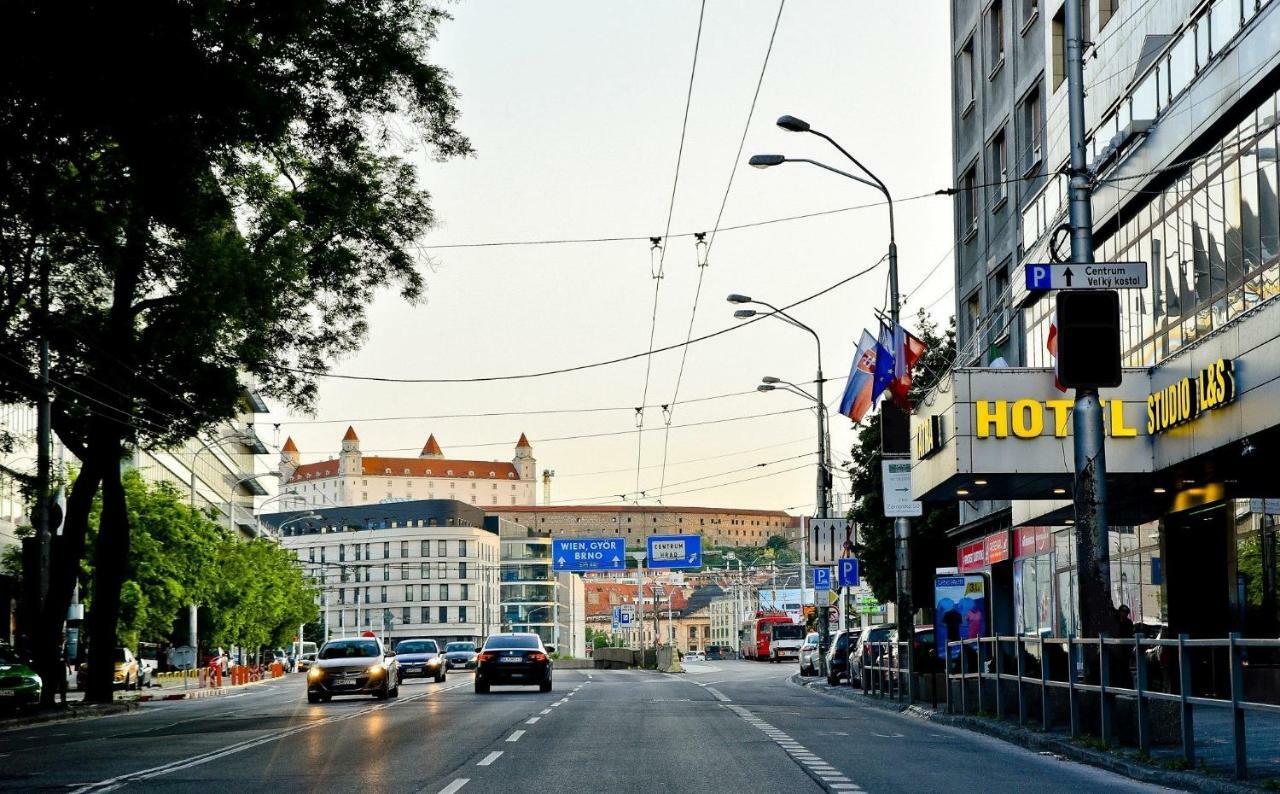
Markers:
{"x": 722, "y": 726}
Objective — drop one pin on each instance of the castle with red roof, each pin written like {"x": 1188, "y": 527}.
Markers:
{"x": 355, "y": 479}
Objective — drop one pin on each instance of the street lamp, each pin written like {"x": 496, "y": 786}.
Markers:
{"x": 902, "y": 526}
{"x": 231, "y": 523}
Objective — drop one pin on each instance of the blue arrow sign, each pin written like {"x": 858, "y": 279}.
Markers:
{"x": 821, "y": 578}
{"x": 674, "y": 551}
{"x": 848, "y": 570}
{"x": 588, "y": 554}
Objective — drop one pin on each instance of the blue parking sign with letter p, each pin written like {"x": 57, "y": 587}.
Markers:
{"x": 1039, "y": 277}
{"x": 821, "y": 578}
{"x": 849, "y": 572}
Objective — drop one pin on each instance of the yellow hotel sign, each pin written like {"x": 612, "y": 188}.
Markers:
{"x": 1032, "y": 418}
{"x": 1187, "y": 398}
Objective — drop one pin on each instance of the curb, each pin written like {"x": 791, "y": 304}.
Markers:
{"x": 207, "y": 692}
{"x": 1045, "y": 744}
{"x": 72, "y": 712}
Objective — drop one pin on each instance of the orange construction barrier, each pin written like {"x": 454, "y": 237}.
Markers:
{"x": 277, "y": 670}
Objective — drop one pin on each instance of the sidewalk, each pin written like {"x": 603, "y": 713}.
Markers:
{"x": 1214, "y": 752}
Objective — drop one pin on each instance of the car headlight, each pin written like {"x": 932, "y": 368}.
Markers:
{"x": 315, "y": 673}
{"x": 375, "y": 669}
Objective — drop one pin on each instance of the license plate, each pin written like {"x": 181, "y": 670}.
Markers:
{"x": 7, "y": 693}
{"x": 509, "y": 659}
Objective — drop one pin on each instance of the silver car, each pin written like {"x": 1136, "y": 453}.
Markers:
{"x": 809, "y": 655}
{"x": 353, "y": 666}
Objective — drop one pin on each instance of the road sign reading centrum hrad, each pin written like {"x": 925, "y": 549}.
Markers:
{"x": 674, "y": 551}
{"x": 1095, "y": 275}
{"x": 588, "y": 554}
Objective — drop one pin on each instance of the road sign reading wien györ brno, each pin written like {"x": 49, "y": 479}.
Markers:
{"x": 588, "y": 554}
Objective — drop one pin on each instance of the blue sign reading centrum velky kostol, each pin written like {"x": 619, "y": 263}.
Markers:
{"x": 588, "y": 554}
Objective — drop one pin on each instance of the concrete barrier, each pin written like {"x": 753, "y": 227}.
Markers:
{"x": 615, "y": 658}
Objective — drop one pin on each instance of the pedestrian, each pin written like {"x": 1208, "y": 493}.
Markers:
{"x": 1121, "y": 655}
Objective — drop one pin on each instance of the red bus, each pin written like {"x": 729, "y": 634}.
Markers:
{"x": 756, "y": 634}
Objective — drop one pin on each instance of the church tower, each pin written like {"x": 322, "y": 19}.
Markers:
{"x": 349, "y": 459}
{"x": 432, "y": 450}
{"x": 525, "y": 465}
{"x": 289, "y": 459}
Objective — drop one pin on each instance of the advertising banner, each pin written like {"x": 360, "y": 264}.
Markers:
{"x": 960, "y": 610}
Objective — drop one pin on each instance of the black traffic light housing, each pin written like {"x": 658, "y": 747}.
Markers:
{"x": 1089, "y": 338}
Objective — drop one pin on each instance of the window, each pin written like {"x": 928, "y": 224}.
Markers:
{"x": 444, "y": 592}
{"x": 311, "y": 554}
{"x": 386, "y": 550}
{"x": 355, "y": 548}
{"x": 972, "y": 316}
{"x": 462, "y": 548}
{"x": 322, "y": 550}
{"x": 466, "y": 593}
{"x": 442, "y": 548}
{"x": 426, "y": 570}
{"x": 426, "y": 614}
{"x": 386, "y": 573}
{"x": 997, "y": 303}
{"x": 443, "y": 613}
{"x": 404, "y": 615}
{"x": 1030, "y": 128}
{"x": 1030, "y": 8}
{"x": 1106, "y": 10}
{"x": 442, "y": 570}
{"x": 969, "y": 202}
{"x": 425, "y": 551}
{"x": 404, "y": 548}
{"x": 342, "y": 553}
{"x": 998, "y": 160}
{"x": 462, "y": 614}
{"x": 383, "y": 593}
{"x": 995, "y": 36}
{"x": 408, "y": 592}
{"x": 964, "y": 78}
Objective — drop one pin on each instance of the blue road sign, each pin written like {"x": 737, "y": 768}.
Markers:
{"x": 821, "y": 578}
{"x": 675, "y": 551}
{"x": 848, "y": 570}
{"x": 589, "y": 554}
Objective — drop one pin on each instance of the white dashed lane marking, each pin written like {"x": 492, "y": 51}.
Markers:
{"x": 515, "y": 737}
{"x": 532, "y": 720}
{"x": 490, "y": 758}
{"x": 455, "y": 785}
{"x": 814, "y": 766}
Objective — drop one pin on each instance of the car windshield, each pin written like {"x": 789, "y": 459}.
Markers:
{"x": 349, "y": 650}
{"x": 525, "y": 641}
{"x": 791, "y": 632}
{"x": 119, "y": 654}
{"x": 417, "y": 646}
{"x": 454, "y": 647}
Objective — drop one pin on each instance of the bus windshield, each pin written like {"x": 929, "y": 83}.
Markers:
{"x": 791, "y": 631}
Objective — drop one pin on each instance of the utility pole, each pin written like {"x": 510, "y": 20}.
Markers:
{"x": 36, "y": 555}
{"x": 1090, "y": 493}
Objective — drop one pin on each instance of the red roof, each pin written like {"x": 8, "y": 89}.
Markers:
{"x": 289, "y": 446}
{"x": 523, "y": 442}
{"x": 413, "y": 467}
{"x": 432, "y": 447}
{"x": 351, "y": 434}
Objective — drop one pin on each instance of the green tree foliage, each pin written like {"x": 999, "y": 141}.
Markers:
{"x": 213, "y": 189}
{"x": 930, "y": 547}
{"x": 254, "y": 591}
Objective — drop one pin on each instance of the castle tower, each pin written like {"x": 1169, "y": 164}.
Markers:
{"x": 289, "y": 459}
{"x": 524, "y": 462}
{"x": 349, "y": 459}
{"x": 432, "y": 450}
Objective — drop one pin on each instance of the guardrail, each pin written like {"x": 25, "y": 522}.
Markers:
{"x": 1112, "y": 668}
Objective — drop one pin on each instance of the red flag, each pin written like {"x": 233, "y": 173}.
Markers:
{"x": 1052, "y": 344}
{"x": 908, "y": 350}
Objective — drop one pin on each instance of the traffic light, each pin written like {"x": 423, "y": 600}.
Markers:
{"x": 1088, "y": 338}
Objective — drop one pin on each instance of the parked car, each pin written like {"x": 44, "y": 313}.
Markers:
{"x": 863, "y": 653}
{"x": 128, "y": 672}
{"x": 420, "y": 658}
{"x": 838, "y": 655}
{"x": 19, "y": 684}
{"x": 514, "y": 658}
{"x": 354, "y": 666}
{"x": 460, "y": 654}
{"x": 305, "y": 661}
{"x": 809, "y": 654}
{"x": 718, "y": 653}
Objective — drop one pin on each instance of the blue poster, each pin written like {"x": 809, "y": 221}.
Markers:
{"x": 960, "y": 610}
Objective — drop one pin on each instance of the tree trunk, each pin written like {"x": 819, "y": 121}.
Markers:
{"x": 64, "y": 568}
{"x": 110, "y": 562}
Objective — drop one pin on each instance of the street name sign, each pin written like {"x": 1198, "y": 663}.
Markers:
{"x": 588, "y": 554}
{"x": 821, "y": 578}
{"x": 674, "y": 551}
{"x": 847, "y": 569}
{"x": 895, "y": 476}
{"x": 1094, "y": 275}
{"x": 828, "y": 539}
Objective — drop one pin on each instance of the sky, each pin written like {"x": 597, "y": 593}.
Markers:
{"x": 575, "y": 112}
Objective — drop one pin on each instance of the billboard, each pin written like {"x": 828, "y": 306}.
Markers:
{"x": 960, "y": 610}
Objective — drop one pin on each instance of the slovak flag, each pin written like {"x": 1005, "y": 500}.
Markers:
{"x": 1052, "y": 344}
{"x": 907, "y": 351}
{"x": 857, "y": 398}
{"x": 885, "y": 362}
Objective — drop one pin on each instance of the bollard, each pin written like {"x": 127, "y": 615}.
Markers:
{"x": 1184, "y": 692}
{"x": 1144, "y": 725}
{"x": 1237, "y": 695}
{"x": 1105, "y": 699}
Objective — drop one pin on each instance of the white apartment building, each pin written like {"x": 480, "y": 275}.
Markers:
{"x": 403, "y": 570}
{"x": 358, "y": 479}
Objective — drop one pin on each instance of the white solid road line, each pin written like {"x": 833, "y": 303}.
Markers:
{"x": 490, "y": 758}
{"x": 718, "y": 694}
{"x": 455, "y": 785}
{"x": 813, "y": 765}
{"x": 515, "y": 737}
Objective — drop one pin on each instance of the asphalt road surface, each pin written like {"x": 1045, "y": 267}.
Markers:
{"x": 722, "y": 726}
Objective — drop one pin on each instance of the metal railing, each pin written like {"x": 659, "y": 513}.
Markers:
{"x": 1112, "y": 668}
{"x": 882, "y": 672}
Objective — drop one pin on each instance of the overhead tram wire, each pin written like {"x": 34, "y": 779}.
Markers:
{"x": 662, "y": 254}
{"x": 711, "y": 239}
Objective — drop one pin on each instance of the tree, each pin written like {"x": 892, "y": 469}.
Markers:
{"x": 930, "y": 547}
{"x": 212, "y": 190}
